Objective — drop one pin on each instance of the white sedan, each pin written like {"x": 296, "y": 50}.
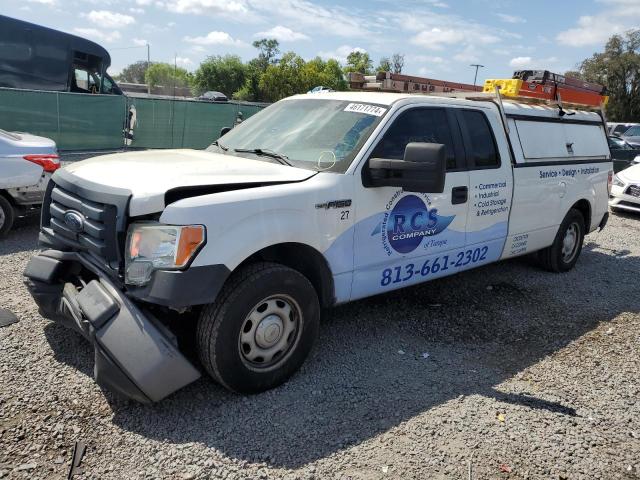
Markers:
{"x": 26, "y": 165}
{"x": 625, "y": 190}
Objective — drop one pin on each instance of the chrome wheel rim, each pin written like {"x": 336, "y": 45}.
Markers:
{"x": 270, "y": 332}
{"x": 570, "y": 242}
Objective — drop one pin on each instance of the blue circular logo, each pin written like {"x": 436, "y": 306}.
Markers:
{"x": 74, "y": 220}
{"x": 409, "y": 222}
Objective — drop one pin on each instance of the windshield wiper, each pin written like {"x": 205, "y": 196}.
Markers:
{"x": 283, "y": 159}
{"x": 218, "y": 144}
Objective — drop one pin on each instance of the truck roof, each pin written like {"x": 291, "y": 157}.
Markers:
{"x": 511, "y": 107}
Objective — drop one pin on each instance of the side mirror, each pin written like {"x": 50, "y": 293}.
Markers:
{"x": 423, "y": 169}
{"x": 224, "y": 131}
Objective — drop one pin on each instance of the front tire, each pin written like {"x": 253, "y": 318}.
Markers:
{"x": 261, "y": 328}
{"x": 563, "y": 254}
{"x": 7, "y": 216}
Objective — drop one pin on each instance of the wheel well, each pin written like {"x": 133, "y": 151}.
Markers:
{"x": 306, "y": 260}
{"x": 8, "y": 197}
{"x": 584, "y": 207}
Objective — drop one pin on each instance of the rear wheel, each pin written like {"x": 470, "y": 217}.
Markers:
{"x": 563, "y": 254}
{"x": 7, "y": 216}
{"x": 261, "y": 328}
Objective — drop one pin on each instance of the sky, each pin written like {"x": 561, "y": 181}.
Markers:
{"x": 439, "y": 38}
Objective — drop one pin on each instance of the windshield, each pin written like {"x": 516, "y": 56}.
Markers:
{"x": 632, "y": 132}
{"x": 314, "y": 134}
{"x": 618, "y": 143}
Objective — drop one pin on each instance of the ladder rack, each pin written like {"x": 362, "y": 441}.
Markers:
{"x": 497, "y": 98}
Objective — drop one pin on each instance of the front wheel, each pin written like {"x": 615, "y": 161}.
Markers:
{"x": 261, "y": 329}
{"x": 563, "y": 254}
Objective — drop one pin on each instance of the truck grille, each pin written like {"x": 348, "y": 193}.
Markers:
{"x": 84, "y": 225}
{"x": 633, "y": 190}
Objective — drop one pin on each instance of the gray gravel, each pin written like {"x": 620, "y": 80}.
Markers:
{"x": 528, "y": 375}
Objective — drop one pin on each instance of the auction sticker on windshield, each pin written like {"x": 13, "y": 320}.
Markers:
{"x": 366, "y": 109}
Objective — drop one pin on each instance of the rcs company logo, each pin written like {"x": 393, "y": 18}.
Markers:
{"x": 407, "y": 222}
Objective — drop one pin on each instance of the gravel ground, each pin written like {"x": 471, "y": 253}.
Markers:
{"x": 528, "y": 375}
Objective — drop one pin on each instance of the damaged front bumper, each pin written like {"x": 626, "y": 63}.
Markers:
{"x": 135, "y": 355}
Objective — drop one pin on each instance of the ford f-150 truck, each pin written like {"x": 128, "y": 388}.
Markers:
{"x": 315, "y": 201}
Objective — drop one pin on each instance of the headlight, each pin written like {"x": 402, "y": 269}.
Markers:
{"x": 152, "y": 247}
{"x": 617, "y": 182}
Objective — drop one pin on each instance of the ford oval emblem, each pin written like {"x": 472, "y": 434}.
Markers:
{"x": 74, "y": 220}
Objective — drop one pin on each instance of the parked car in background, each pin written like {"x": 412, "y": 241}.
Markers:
{"x": 212, "y": 96}
{"x": 623, "y": 154}
{"x": 26, "y": 165}
{"x": 625, "y": 190}
{"x": 320, "y": 89}
{"x": 617, "y": 128}
{"x": 632, "y": 136}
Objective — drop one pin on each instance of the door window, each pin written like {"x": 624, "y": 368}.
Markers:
{"x": 428, "y": 125}
{"x": 483, "y": 152}
{"x": 81, "y": 78}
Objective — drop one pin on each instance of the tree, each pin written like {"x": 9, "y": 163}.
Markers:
{"x": 165, "y": 75}
{"x": 618, "y": 67}
{"x": 397, "y": 60}
{"x": 284, "y": 79}
{"x": 292, "y": 75}
{"x": 334, "y": 75}
{"x": 134, "y": 73}
{"x": 384, "y": 65}
{"x": 358, "y": 61}
{"x": 317, "y": 72}
{"x": 224, "y": 74}
{"x": 268, "y": 48}
{"x": 250, "y": 90}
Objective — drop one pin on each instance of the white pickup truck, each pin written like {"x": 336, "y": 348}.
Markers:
{"x": 315, "y": 201}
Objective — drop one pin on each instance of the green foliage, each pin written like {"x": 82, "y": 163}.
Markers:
{"x": 268, "y": 78}
{"x": 618, "y": 67}
{"x": 359, "y": 62}
{"x": 282, "y": 79}
{"x": 134, "y": 73}
{"x": 165, "y": 75}
{"x": 384, "y": 65}
{"x": 292, "y": 75}
{"x": 223, "y": 74}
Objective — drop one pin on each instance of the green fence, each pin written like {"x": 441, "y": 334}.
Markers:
{"x": 96, "y": 122}
{"x": 164, "y": 123}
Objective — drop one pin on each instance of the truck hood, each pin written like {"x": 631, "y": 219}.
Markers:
{"x": 150, "y": 174}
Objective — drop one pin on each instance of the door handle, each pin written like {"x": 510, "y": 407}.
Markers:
{"x": 459, "y": 195}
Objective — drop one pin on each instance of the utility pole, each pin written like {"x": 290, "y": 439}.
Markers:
{"x": 148, "y": 65}
{"x": 175, "y": 73}
{"x": 478, "y": 66}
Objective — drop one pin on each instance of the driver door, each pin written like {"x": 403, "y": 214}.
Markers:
{"x": 404, "y": 238}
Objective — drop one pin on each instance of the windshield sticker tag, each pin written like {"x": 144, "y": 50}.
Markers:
{"x": 366, "y": 109}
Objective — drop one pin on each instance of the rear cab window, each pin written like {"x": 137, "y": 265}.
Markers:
{"x": 480, "y": 143}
